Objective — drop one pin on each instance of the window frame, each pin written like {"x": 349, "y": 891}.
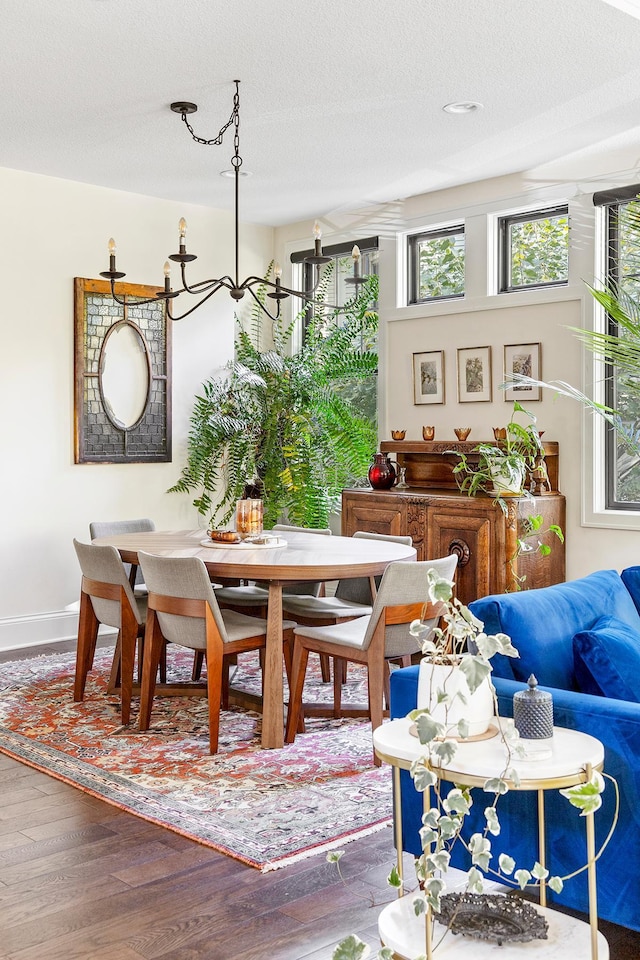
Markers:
{"x": 612, "y": 265}
{"x": 504, "y": 247}
{"x": 413, "y": 263}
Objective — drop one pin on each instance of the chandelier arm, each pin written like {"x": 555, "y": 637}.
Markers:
{"x": 219, "y": 285}
{"x": 202, "y": 285}
{"x": 124, "y": 302}
{"x": 301, "y": 295}
{"x": 262, "y": 306}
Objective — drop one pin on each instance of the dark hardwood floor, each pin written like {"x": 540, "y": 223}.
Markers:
{"x": 83, "y": 880}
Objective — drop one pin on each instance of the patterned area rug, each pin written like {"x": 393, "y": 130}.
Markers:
{"x": 264, "y": 807}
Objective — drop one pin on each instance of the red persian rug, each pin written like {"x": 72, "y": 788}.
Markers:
{"x": 264, "y": 807}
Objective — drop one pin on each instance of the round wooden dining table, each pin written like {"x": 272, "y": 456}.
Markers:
{"x": 300, "y": 557}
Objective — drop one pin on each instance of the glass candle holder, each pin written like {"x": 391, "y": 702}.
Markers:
{"x": 249, "y": 517}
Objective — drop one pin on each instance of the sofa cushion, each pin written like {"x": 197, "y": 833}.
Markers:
{"x": 607, "y": 660}
{"x": 542, "y": 624}
{"x": 631, "y": 579}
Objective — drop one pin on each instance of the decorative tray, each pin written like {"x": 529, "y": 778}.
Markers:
{"x": 245, "y": 544}
{"x": 492, "y": 917}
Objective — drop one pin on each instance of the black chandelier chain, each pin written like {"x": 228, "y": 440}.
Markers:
{"x": 206, "y": 288}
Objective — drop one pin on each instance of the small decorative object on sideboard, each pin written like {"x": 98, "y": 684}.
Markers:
{"x": 462, "y": 432}
{"x": 533, "y": 719}
{"x": 398, "y": 434}
{"x": 382, "y": 472}
{"x": 428, "y": 433}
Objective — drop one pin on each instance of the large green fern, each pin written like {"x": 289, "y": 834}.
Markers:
{"x": 284, "y": 418}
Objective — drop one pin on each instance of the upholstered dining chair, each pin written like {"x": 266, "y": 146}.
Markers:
{"x": 110, "y": 528}
{"x": 352, "y": 598}
{"x": 384, "y": 635}
{"x": 182, "y": 609}
{"x": 106, "y": 597}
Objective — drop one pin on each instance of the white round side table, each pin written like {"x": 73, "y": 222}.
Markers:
{"x": 574, "y": 755}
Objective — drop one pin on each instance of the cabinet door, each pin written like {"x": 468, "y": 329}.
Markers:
{"x": 373, "y": 513}
{"x": 475, "y": 531}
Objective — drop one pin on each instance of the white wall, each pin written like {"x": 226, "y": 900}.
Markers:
{"x": 55, "y": 230}
{"x": 486, "y": 319}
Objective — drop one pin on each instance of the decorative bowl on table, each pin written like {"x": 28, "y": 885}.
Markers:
{"x": 224, "y": 536}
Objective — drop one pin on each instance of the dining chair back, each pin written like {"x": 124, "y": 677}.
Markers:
{"x": 371, "y": 640}
{"x": 352, "y": 598}
{"x": 183, "y": 609}
{"x": 110, "y": 528}
{"x": 106, "y": 597}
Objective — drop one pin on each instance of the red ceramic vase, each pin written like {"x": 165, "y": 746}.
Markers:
{"x": 382, "y": 472}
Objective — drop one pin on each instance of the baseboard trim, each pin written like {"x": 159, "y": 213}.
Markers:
{"x": 39, "y": 629}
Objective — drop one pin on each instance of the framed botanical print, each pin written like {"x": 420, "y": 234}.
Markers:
{"x": 428, "y": 377}
{"x": 522, "y": 359}
{"x": 474, "y": 374}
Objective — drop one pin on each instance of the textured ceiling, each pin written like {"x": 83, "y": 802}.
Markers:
{"x": 341, "y": 103}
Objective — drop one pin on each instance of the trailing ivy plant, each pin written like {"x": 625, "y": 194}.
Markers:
{"x": 282, "y": 419}
{"x": 444, "y": 819}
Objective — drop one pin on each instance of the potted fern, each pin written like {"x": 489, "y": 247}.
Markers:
{"x": 290, "y": 422}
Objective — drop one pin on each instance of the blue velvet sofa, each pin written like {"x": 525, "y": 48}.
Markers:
{"x": 582, "y": 641}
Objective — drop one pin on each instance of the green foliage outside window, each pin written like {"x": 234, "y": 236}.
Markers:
{"x": 440, "y": 264}
{"x": 537, "y": 251}
{"x": 625, "y": 384}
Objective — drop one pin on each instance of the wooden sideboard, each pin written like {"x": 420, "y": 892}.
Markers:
{"x": 441, "y": 521}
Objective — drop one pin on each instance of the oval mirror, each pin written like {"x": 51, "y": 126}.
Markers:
{"x": 124, "y": 375}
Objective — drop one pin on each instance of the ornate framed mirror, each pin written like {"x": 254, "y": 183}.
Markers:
{"x": 122, "y": 375}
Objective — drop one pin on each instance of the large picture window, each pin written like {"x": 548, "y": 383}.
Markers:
{"x": 622, "y": 275}
{"x": 436, "y": 264}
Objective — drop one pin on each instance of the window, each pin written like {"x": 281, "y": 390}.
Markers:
{"x": 534, "y": 249}
{"x": 364, "y": 393}
{"x": 436, "y": 264}
{"x": 622, "y": 268}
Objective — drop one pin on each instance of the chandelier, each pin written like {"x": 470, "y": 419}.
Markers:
{"x": 204, "y": 289}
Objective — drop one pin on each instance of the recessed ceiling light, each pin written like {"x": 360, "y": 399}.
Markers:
{"x": 232, "y": 173}
{"x": 462, "y": 106}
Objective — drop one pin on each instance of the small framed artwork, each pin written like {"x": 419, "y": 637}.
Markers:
{"x": 428, "y": 377}
{"x": 522, "y": 359}
{"x": 474, "y": 374}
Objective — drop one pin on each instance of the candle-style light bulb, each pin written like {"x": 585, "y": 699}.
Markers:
{"x": 317, "y": 233}
{"x": 167, "y": 276}
{"x": 355, "y": 253}
{"x": 112, "y": 247}
{"x": 167, "y": 268}
{"x": 182, "y": 227}
{"x": 277, "y": 271}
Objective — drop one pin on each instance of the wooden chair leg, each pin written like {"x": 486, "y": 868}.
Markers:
{"x": 198, "y": 661}
{"x": 87, "y": 637}
{"x": 295, "y": 718}
{"x": 115, "y": 676}
{"x": 214, "y": 678}
{"x": 376, "y": 667}
{"x": 338, "y": 672}
{"x": 325, "y": 668}
{"x": 224, "y": 690}
{"x": 154, "y": 643}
